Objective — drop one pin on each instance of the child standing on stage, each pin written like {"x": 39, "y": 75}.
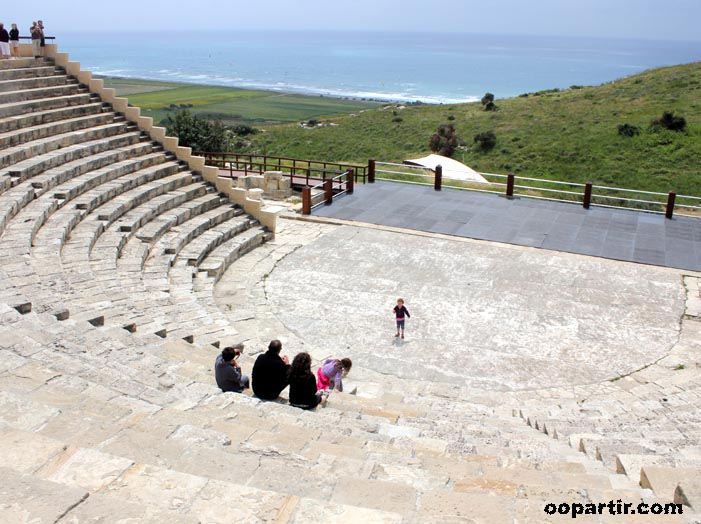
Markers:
{"x": 400, "y": 312}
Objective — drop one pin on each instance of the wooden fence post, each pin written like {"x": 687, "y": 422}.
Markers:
{"x": 438, "y": 179}
{"x": 351, "y": 181}
{"x": 670, "y": 204}
{"x": 510, "y": 186}
{"x": 586, "y": 201}
{"x": 371, "y": 170}
{"x": 306, "y": 200}
{"x": 328, "y": 191}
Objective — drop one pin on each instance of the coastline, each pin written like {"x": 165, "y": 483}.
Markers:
{"x": 298, "y": 90}
{"x": 234, "y": 104}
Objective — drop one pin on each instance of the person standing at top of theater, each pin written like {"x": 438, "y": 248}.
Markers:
{"x": 4, "y": 42}
{"x": 42, "y": 42}
{"x": 37, "y": 36}
{"x": 14, "y": 41}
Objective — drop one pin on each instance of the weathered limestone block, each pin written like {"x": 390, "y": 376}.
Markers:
{"x": 26, "y": 498}
{"x": 90, "y": 469}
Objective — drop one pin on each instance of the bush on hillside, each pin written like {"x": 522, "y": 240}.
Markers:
{"x": 486, "y": 141}
{"x": 198, "y": 133}
{"x": 488, "y": 102}
{"x": 670, "y": 121}
{"x": 244, "y": 130}
{"x": 444, "y": 140}
{"x": 628, "y": 130}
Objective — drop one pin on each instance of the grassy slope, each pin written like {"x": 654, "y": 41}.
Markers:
{"x": 229, "y": 104}
{"x": 570, "y": 135}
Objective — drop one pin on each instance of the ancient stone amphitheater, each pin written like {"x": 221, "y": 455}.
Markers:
{"x": 125, "y": 263}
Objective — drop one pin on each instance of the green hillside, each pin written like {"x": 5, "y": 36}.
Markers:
{"x": 564, "y": 135}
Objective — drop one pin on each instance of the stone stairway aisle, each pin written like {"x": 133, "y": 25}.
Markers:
{"x": 646, "y": 425}
{"x": 81, "y": 189}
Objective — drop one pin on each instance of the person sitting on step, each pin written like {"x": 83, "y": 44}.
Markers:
{"x": 303, "y": 391}
{"x": 227, "y": 370}
{"x": 330, "y": 374}
{"x": 270, "y": 372}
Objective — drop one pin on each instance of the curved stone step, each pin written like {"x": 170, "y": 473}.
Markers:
{"x": 198, "y": 249}
{"x": 35, "y": 82}
{"x": 29, "y": 72}
{"x": 23, "y": 95}
{"x": 220, "y": 258}
{"x": 13, "y": 109}
{"x": 38, "y": 117}
{"x": 28, "y": 134}
{"x": 38, "y": 164}
{"x": 156, "y": 228}
{"x": 76, "y": 177}
{"x": 43, "y": 146}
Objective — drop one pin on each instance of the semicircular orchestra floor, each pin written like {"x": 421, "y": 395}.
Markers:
{"x": 484, "y": 315}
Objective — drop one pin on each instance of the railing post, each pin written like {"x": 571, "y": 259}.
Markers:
{"x": 670, "y": 204}
{"x": 371, "y": 170}
{"x": 328, "y": 191}
{"x": 438, "y": 179}
{"x": 586, "y": 201}
{"x": 510, "y": 186}
{"x": 306, "y": 200}
{"x": 351, "y": 181}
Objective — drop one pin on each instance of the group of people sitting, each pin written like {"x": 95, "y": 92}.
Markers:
{"x": 272, "y": 373}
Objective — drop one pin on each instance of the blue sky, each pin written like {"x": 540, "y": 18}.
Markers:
{"x": 670, "y": 19}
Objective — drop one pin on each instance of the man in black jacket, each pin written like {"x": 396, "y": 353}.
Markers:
{"x": 270, "y": 372}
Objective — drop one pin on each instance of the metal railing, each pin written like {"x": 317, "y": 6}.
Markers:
{"x": 512, "y": 186}
{"x": 326, "y": 191}
{"x": 301, "y": 172}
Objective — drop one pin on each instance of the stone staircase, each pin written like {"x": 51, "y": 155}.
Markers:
{"x": 646, "y": 425}
{"x": 110, "y": 249}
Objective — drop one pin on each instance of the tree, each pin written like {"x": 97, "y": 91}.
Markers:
{"x": 444, "y": 140}
{"x": 198, "y": 133}
{"x": 486, "y": 140}
{"x": 488, "y": 102}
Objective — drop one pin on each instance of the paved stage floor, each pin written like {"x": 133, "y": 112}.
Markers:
{"x": 609, "y": 233}
{"x": 493, "y": 317}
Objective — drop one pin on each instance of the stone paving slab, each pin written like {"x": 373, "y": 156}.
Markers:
{"x": 609, "y": 233}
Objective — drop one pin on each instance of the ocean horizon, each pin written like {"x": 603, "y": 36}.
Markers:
{"x": 397, "y": 66}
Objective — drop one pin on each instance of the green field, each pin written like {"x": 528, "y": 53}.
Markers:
{"x": 568, "y": 135}
{"x": 230, "y": 105}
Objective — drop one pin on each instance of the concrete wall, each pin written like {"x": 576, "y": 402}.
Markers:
{"x": 252, "y": 203}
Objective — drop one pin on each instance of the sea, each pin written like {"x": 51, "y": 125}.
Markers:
{"x": 397, "y": 66}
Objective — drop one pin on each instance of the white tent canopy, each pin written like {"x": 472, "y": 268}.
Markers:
{"x": 452, "y": 169}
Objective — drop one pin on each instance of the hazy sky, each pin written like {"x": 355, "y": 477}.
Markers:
{"x": 658, "y": 19}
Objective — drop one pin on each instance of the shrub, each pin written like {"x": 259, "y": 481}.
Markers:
{"x": 488, "y": 97}
{"x": 488, "y": 102}
{"x": 670, "y": 121}
{"x": 444, "y": 140}
{"x": 244, "y": 130}
{"x": 486, "y": 140}
{"x": 628, "y": 130}
{"x": 198, "y": 133}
